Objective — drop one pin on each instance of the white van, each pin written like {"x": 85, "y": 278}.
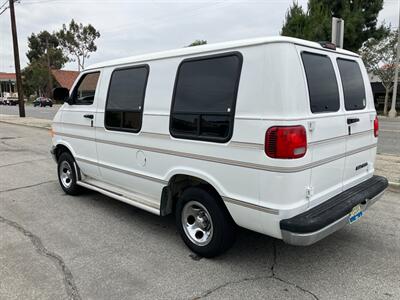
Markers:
{"x": 276, "y": 135}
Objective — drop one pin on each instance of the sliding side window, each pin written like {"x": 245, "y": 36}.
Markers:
{"x": 322, "y": 84}
{"x": 124, "y": 108}
{"x": 204, "y": 100}
{"x": 353, "y": 84}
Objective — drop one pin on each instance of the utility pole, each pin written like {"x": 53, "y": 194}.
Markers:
{"x": 16, "y": 61}
{"x": 50, "y": 88}
{"x": 392, "y": 112}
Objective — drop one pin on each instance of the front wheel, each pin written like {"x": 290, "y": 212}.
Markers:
{"x": 204, "y": 222}
{"x": 67, "y": 174}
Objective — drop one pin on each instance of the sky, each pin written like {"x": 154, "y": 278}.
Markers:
{"x": 130, "y": 27}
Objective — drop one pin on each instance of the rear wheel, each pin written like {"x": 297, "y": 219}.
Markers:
{"x": 67, "y": 174}
{"x": 204, "y": 223}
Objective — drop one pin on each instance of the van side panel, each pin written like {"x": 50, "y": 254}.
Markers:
{"x": 144, "y": 162}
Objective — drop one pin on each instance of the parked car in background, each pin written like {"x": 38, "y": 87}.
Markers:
{"x": 9, "y": 101}
{"x": 42, "y": 102}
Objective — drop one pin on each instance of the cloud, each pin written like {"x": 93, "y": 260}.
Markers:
{"x": 130, "y": 27}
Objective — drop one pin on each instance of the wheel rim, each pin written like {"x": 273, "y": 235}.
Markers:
{"x": 65, "y": 173}
{"x": 197, "y": 223}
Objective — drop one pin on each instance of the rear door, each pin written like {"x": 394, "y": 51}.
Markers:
{"x": 326, "y": 124}
{"x": 360, "y": 114}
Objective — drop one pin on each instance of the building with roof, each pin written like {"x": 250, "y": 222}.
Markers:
{"x": 8, "y": 88}
{"x": 65, "y": 78}
{"x": 8, "y": 85}
{"x": 379, "y": 93}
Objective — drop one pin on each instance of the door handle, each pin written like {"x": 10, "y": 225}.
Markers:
{"x": 89, "y": 116}
{"x": 352, "y": 120}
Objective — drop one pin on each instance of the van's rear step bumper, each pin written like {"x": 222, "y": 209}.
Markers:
{"x": 324, "y": 219}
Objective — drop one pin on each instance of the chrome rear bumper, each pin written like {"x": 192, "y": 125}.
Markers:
{"x": 307, "y": 238}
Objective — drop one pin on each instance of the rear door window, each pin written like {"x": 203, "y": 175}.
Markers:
{"x": 322, "y": 84}
{"x": 353, "y": 84}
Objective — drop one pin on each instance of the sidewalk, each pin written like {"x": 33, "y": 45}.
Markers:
{"x": 27, "y": 121}
{"x": 385, "y": 165}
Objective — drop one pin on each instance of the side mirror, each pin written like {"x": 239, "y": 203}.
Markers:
{"x": 61, "y": 94}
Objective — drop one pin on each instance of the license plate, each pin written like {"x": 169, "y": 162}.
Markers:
{"x": 355, "y": 214}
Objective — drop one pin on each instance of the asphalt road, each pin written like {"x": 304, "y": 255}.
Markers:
{"x": 54, "y": 246}
{"x": 30, "y": 111}
{"x": 389, "y": 138}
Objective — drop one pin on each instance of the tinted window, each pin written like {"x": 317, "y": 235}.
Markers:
{"x": 205, "y": 97}
{"x": 86, "y": 89}
{"x": 322, "y": 84}
{"x": 353, "y": 84}
{"x": 125, "y": 99}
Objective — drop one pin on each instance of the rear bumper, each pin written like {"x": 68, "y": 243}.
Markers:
{"x": 328, "y": 217}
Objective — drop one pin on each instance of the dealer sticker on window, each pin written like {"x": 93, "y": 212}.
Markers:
{"x": 355, "y": 214}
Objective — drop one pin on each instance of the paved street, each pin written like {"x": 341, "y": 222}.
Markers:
{"x": 54, "y": 246}
{"x": 30, "y": 111}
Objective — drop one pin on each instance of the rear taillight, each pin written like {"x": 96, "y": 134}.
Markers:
{"x": 376, "y": 127}
{"x": 286, "y": 142}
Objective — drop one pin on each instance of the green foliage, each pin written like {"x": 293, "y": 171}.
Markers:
{"x": 78, "y": 40}
{"x": 35, "y": 79}
{"x": 360, "y": 21}
{"x": 379, "y": 56}
{"x": 38, "y": 44}
{"x": 197, "y": 43}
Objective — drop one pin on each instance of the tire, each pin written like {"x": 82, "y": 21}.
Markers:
{"x": 204, "y": 222}
{"x": 67, "y": 174}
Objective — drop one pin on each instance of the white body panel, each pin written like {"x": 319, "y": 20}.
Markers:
{"x": 258, "y": 191}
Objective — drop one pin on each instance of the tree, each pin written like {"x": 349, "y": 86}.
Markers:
{"x": 35, "y": 79}
{"x": 360, "y": 21}
{"x": 44, "y": 54}
{"x": 78, "y": 40}
{"x": 379, "y": 57}
{"x": 42, "y": 42}
{"x": 197, "y": 43}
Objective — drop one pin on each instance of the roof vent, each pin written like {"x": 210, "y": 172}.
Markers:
{"x": 328, "y": 45}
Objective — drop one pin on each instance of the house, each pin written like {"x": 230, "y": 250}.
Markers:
{"x": 65, "y": 78}
{"x": 8, "y": 85}
{"x": 379, "y": 92}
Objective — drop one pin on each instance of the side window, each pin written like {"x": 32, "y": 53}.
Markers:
{"x": 204, "y": 98}
{"x": 124, "y": 108}
{"x": 85, "y": 90}
{"x": 322, "y": 84}
{"x": 353, "y": 84}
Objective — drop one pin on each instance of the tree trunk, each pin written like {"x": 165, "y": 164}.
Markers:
{"x": 79, "y": 63}
{"x": 385, "y": 107}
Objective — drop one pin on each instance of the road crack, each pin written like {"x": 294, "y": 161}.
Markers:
{"x": 23, "y": 162}
{"x": 27, "y": 186}
{"x": 210, "y": 291}
{"x": 69, "y": 283}
{"x": 276, "y": 277}
{"x": 272, "y": 275}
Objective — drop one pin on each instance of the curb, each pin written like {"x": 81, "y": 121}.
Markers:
{"x": 26, "y": 125}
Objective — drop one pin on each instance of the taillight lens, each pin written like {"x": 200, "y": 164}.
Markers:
{"x": 376, "y": 127}
{"x": 286, "y": 142}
